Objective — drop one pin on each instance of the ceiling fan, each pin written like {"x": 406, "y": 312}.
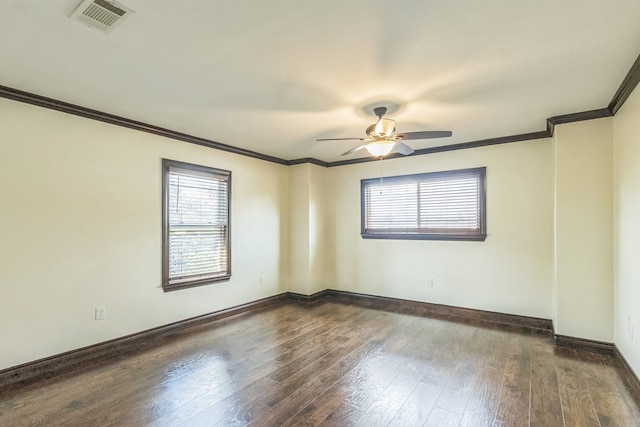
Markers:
{"x": 382, "y": 138}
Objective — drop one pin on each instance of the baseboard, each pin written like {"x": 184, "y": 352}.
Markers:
{"x": 105, "y": 352}
{"x": 602, "y": 347}
{"x": 630, "y": 378}
{"x": 90, "y": 357}
{"x": 419, "y": 308}
{"x": 308, "y": 299}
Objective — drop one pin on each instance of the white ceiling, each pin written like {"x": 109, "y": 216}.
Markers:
{"x": 273, "y": 75}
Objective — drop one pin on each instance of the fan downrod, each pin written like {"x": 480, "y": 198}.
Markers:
{"x": 380, "y": 111}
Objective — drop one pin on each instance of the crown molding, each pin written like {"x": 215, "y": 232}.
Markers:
{"x": 627, "y": 86}
{"x": 576, "y": 117}
{"x": 65, "y": 107}
{"x": 308, "y": 160}
{"x": 624, "y": 91}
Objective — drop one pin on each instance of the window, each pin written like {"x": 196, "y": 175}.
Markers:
{"x": 437, "y": 206}
{"x": 195, "y": 222}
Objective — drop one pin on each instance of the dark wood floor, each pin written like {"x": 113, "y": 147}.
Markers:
{"x": 339, "y": 365}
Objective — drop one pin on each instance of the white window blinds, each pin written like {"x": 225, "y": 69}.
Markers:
{"x": 440, "y": 205}
{"x": 196, "y": 225}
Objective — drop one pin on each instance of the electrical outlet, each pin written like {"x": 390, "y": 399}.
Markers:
{"x": 628, "y": 323}
{"x": 101, "y": 313}
{"x": 429, "y": 283}
{"x": 262, "y": 280}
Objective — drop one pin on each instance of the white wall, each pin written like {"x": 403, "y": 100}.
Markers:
{"x": 584, "y": 229}
{"x": 627, "y": 229}
{"x": 81, "y": 227}
{"x": 510, "y": 272}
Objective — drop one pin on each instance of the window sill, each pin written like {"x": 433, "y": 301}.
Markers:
{"x": 184, "y": 284}
{"x": 418, "y": 236}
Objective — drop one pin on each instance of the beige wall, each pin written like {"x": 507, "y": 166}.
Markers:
{"x": 81, "y": 227}
{"x": 317, "y": 228}
{"x": 308, "y": 235}
{"x": 510, "y": 272}
{"x": 584, "y": 229}
{"x": 626, "y": 131}
{"x": 299, "y": 228}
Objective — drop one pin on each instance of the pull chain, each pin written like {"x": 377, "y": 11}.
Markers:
{"x": 381, "y": 174}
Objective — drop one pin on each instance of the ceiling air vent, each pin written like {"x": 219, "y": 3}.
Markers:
{"x": 102, "y": 15}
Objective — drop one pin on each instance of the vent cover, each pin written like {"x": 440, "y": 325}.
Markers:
{"x": 102, "y": 15}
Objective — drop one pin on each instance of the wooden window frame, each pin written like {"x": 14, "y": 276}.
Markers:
{"x": 424, "y": 234}
{"x": 171, "y": 284}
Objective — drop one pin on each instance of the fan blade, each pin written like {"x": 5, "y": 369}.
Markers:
{"x": 402, "y": 148}
{"x": 353, "y": 150}
{"x": 424, "y": 135}
{"x": 341, "y": 139}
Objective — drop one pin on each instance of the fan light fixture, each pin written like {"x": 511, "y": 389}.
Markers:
{"x": 382, "y": 138}
{"x": 380, "y": 148}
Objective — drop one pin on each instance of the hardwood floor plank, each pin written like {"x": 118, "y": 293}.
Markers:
{"x": 320, "y": 406}
{"x": 332, "y": 364}
{"x": 315, "y": 412}
{"x": 442, "y": 418}
{"x": 230, "y": 412}
{"x": 546, "y": 406}
{"x": 369, "y": 381}
{"x": 224, "y": 376}
{"x": 514, "y": 407}
{"x": 463, "y": 365}
{"x": 418, "y": 406}
{"x": 382, "y": 410}
{"x": 631, "y": 398}
{"x": 418, "y": 357}
{"x": 482, "y": 405}
{"x": 577, "y": 406}
{"x": 252, "y": 373}
{"x": 384, "y": 335}
{"x": 610, "y": 408}
{"x": 356, "y": 403}
{"x": 153, "y": 363}
{"x": 302, "y": 371}
{"x": 214, "y": 381}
